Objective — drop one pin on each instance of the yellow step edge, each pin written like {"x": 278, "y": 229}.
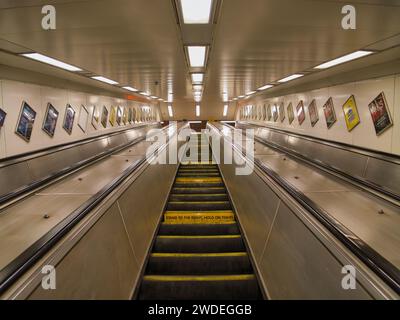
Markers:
{"x": 199, "y": 255}
{"x": 230, "y": 236}
{"x": 198, "y": 202}
{"x": 198, "y": 194}
{"x": 239, "y": 277}
{"x": 208, "y": 188}
{"x": 225, "y": 223}
{"x": 204, "y": 179}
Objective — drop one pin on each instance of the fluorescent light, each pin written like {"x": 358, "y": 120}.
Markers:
{"x": 144, "y": 94}
{"x": 197, "y": 56}
{"x": 170, "y": 97}
{"x": 225, "y": 110}
{"x": 267, "y": 86}
{"x": 154, "y": 97}
{"x": 241, "y": 96}
{"x": 103, "y": 79}
{"x": 197, "y": 87}
{"x": 197, "y": 99}
{"x": 170, "y": 113}
{"x": 197, "y": 110}
{"x": 197, "y": 77}
{"x": 130, "y": 89}
{"x": 160, "y": 99}
{"x": 225, "y": 97}
{"x": 235, "y": 99}
{"x": 346, "y": 58}
{"x": 51, "y": 61}
{"x": 195, "y": 11}
{"x": 292, "y": 77}
{"x": 250, "y": 93}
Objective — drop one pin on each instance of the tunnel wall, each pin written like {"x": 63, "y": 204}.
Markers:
{"x": 363, "y": 135}
{"x": 12, "y": 95}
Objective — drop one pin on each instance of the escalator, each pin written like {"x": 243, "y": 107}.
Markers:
{"x": 199, "y": 252}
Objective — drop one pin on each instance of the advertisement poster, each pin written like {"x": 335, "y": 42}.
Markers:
{"x": 69, "y": 119}
{"x": 275, "y": 112}
{"x": 25, "y": 122}
{"x": 351, "y": 113}
{"x": 282, "y": 114}
{"x": 83, "y": 118}
{"x": 119, "y": 115}
{"x": 269, "y": 113}
{"x": 380, "y": 114}
{"x": 290, "y": 113}
{"x": 130, "y": 115}
{"x": 313, "y": 111}
{"x": 113, "y": 115}
{"x": 125, "y": 116}
{"x": 50, "y": 120}
{"x": 95, "y": 117}
{"x": 3, "y": 115}
{"x": 330, "y": 114}
{"x": 301, "y": 115}
{"x": 104, "y": 117}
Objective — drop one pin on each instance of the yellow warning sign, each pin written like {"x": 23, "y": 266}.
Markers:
{"x": 185, "y": 217}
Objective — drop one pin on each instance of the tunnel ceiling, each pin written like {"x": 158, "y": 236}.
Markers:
{"x": 140, "y": 43}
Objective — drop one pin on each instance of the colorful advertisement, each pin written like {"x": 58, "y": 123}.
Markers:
{"x": 351, "y": 114}
{"x": 50, "y": 120}
{"x": 113, "y": 115}
{"x": 69, "y": 119}
{"x": 380, "y": 114}
{"x": 329, "y": 112}
{"x": 95, "y": 117}
{"x": 301, "y": 115}
{"x": 282, "y": 114}
{"x": 269, "y": 113}
{"x": 25, "y": 122}
{"x": 104, "y": 117}
{"x": 313, "y": 111}
{"x": 290, "y": 113}
{"x": 3, "y": 115}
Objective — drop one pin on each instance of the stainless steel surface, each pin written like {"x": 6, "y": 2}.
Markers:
{"x": 16, "y": 176}
{"x": 296, "y": 264}
{"x": 101, "y": 266}
{"x": 383, "y": 173}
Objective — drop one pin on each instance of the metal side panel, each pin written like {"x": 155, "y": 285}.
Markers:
{"x": 13, "y": 177}
{"x": 92, "y": 149}
{"x": 255, "y": 206}
{"x": 101, "y": 266}
{"x": 117, "y": 140}
{"x": 296, "y": 265}
{"x": 52, "y": 163}
{"x": 384, "y": 173}
{"x": 143, "y": 203}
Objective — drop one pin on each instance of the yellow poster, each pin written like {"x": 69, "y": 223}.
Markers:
{"x": 351, "y": 114}
{"x": 113, "y": 115}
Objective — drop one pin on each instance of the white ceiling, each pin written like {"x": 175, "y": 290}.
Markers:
{"x": 139, "y": 42}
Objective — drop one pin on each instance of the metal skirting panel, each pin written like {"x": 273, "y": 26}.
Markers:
{"x": 384, "y": 174}
{"x": 101, "y": 266}
{"x": 16, "y": 176}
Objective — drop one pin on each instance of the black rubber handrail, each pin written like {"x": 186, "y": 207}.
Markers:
{"x": 389, "y": 273}
{"x": 37, "y": 184}
{"x": 363, "y": 182}
{"x": 12, "y": 272}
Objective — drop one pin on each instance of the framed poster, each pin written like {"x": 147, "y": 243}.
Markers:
{"x": 83, "y": 118}
{"x": 275, "y": 112}
{"x": 290, "y": 113}
{"x": 3, "y": 115}
{"x": 330, "y": 114}
{"x": 69, "y": 119}
{"x": 269, "y": 113}
{"x": 125, "y": 116}
{"x": 104, "y": 117}
{"x": 25, "y": 122}
{"x": 301, "y": 115}
{"x": 130, "y": 115}
{"x": 282, "y": 114}
{"x": 264, "y": 112}
{"x": 119, "y": 115}
{"x": 380, "y": 114}
{"x": 351, "y": 114}
{"x": 50, "y": 120}
{"x": 113, "y": 115}
{"x": 313, "y": 111}
{"x": 95, "y": 117}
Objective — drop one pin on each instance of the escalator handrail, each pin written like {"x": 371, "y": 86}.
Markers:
{"x": 12, "y": 272}
{"x": 389, "y": 273}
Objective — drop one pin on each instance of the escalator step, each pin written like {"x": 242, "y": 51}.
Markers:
{"x": 198, "y": 244}
{"x": 198, "y": 197}
{"x": 198, "y": 185}
{"x": 198, "y": 217}
{"x": 199, "y": 263}
{"x": 198, "y": 174}
{"x": 199, "y": 206}
{"x": 199, "y": 190}
{"x": 242, "y": 287}
{"x": 198, "y": 229}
